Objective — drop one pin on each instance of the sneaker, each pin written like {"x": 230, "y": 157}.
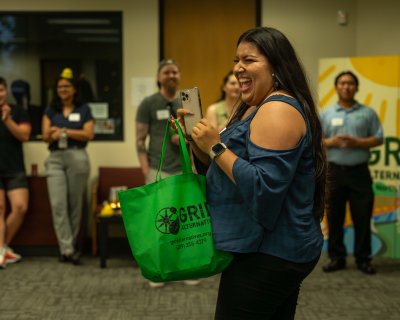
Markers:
{"x": 191, "y": 282}
{"x": 156, "y": 284}
{"x": 3, "y": 261}
{"x": 11, "y": 256}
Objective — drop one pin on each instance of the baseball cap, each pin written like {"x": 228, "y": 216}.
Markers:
{"x": 166, "y": 62}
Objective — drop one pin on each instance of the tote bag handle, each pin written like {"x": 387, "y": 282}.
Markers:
{"x": 184, "y": 154}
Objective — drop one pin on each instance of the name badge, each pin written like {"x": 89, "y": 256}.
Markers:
{"x": 162, "y": 114}
{"x": 74, "y": 117}
{"x": 336, "y": 122}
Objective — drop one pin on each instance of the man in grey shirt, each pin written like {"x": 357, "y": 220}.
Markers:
{"x": 152, "y": 116}
{"x": 350, "y": 130}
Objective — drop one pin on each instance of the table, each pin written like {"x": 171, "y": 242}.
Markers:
{"x": 103, "y": 224}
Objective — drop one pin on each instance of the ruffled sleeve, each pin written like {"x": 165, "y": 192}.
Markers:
{"x": 263, "y": 180}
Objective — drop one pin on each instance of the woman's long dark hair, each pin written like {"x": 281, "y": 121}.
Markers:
{"x": 56, "y": 103}
{"x": 291, "y": 77}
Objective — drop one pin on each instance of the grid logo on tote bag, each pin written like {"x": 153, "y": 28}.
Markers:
{"x": 171, "y": 220}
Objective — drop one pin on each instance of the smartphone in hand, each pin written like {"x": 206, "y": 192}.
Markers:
{"x": 191, "y": 101}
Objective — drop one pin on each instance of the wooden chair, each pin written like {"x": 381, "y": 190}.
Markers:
{"x": 110, "y": 177}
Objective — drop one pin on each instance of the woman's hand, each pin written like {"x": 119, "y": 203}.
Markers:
{"x": 180, "y": 114}
{"x": 205, "y": 135}
{"x": 5, "y": 112}
{"x": 55, "y": 133}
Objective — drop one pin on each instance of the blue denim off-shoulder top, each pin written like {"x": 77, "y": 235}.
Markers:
{"x": 270, "y": 208}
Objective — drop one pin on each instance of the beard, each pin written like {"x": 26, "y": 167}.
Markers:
{"x": 171, "y": 86}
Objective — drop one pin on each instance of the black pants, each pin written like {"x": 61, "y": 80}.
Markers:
{"x": 353, "y": 185}
{"x": 258, "y": 286}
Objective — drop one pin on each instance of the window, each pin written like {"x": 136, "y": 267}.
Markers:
{"x": 36, "y": 46}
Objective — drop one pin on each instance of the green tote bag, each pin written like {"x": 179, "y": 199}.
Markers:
{"x": 168, "y": 224}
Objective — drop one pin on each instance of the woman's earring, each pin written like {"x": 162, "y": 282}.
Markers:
{"x": 276, "y": 83}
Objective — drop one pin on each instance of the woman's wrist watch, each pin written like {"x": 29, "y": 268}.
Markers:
{"x": 217, "y": 149}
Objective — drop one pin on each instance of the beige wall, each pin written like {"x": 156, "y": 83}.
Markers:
{"x": 312, "y": 28}
{"x": 311, "y": 25}
{"x": 378, "y": 28}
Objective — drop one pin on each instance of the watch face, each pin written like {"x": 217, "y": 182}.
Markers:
{"x": 218, "y": 148}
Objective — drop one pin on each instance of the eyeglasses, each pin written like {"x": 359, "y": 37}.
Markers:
{"x": 64, "y": 86}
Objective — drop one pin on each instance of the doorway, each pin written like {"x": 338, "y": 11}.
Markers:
{"x": 201, "y": 36}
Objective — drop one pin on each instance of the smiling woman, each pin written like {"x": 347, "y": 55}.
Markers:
{"x": 67, "y": 127}
{"x": 266, "y": 177}
{"x": 36, "y": 46}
